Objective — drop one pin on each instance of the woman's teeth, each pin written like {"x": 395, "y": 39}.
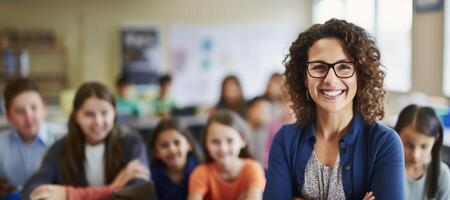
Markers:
{"x": 332, "y": 93}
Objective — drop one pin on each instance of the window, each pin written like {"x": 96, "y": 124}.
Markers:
{"x": 390, "y": 22}
{"x": 446, "y": 74}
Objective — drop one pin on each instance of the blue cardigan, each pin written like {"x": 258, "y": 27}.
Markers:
{"x": 165, "y": 188}
{"x": 371, "y": 156}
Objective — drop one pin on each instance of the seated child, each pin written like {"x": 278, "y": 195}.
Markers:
{"x": 23, "y": 145}
{"x": 229, "y": 172}
{"x": 95, "y": 157}
{"x": 427, "y": 177}
{"x": 163, "y": 104}
{"x": 258, "y": 115}
{"x": 174, "y": 156}
{"x": 126, "y": 105}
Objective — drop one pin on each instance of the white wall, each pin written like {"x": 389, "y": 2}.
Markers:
{"x": 90, "y": 28}
{"x": 427, "y": 63}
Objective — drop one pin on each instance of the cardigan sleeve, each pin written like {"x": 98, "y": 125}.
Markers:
{"x": 279, "y": 182}
{"x": 388, "y": 176}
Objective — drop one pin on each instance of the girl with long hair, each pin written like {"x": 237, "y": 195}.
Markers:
{"x": 174, "y": 156}
{"x": 95, "y": 157}
{"x": 427, "y": 177}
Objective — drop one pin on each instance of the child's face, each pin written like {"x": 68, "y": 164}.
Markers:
{"x": 96, "y": 119}
{"x": 231, "y": 91}
{"x": 26, "y": 113}
{"x": 259, "y": 113}
{"x": 417, "y": 146}
{"x": 223, "y": 143}
{"x": 172, "y": 148}
{"x": 274, "y": 88}
{"x": 124, "y": 90}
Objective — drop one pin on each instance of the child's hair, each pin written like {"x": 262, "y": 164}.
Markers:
{"x": 255, "y": 100}
{"x": 15, "y": 87}
{"x": 272, "y": 78}
{"x": 164, "y": 79}
{"x": 233, "y": 120}
{"x": 173, "y": 124}
{"x": 230, "y": 78}
{"x": 425, "y": 121}
{"x": 123, "y": 80}
{"x": 73, "y": 155}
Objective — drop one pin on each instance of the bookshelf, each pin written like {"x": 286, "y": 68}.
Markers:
{"x": 44, "y": 57}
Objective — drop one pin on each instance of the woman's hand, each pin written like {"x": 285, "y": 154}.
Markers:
{"x": 49, "y": 192}
{"x": 369, "y": 196}
{"x": 134, "y": 169}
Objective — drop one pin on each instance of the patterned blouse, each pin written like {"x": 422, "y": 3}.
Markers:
{"x": 323, "y": 182}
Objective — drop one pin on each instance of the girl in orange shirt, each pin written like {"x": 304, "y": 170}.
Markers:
{"x": 229, "y": 171}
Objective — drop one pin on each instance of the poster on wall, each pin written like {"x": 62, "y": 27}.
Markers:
{"x": 141, "y": 53}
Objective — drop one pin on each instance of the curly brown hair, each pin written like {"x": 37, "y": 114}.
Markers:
{"x": 361, "y": 47}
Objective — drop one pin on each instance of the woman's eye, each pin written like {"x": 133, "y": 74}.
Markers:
{"x": 319, "y": 67}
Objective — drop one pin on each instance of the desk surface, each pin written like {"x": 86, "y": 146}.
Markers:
{"x": 151, "y": 122}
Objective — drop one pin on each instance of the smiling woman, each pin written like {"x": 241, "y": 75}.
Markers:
{"x": 336, "y": 150}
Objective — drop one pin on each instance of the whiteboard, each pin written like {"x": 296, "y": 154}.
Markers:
{"x": 202, "y": 55}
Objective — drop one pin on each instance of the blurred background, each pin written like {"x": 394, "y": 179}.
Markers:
{"x": 63, "y": 43}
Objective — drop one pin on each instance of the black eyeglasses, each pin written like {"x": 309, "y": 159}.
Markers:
{"x": 320, "y": 69}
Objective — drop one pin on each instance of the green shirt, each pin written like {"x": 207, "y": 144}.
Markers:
{"x": 161, "y": 106}
{"x": 128, "y": 107}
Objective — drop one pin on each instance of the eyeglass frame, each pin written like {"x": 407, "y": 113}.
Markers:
{"x": 330, "y": 65}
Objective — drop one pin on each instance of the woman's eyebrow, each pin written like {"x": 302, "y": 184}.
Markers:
{"x": 322, "y": 61}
